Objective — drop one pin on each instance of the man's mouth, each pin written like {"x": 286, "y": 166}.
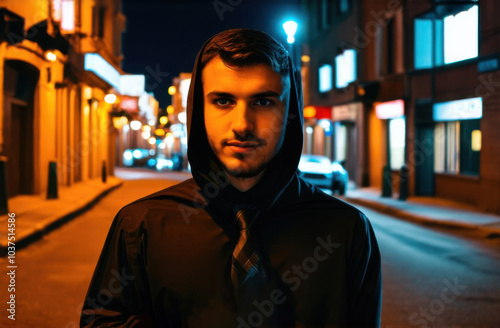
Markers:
{"x": 242, "y": 146}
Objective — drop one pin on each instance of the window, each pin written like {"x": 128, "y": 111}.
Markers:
{"x": 457, "y": 136}
{"x": 68, "y": 16}
{"x": 389, "y": 45}
{"x": 325, "y": 78}
{"x": 447, "y": 35}
{"x": 322, "y": 13}
{"x": 345, "y": 68}
{"x": 397, "y": 142}
{"x": 98, "y": 21}
{"x": 457, "y": 147}
{"x": 342, "y": 6}
{"x": 461, "y": 36}
{"x": 340, "y": 142}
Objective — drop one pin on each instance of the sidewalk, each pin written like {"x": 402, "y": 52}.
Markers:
{"x": 427, "y": 210}
{"x": 35, "y": 215}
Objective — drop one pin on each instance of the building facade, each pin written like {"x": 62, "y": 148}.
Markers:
{"x": 56, "y": 60}
{"x": 453, "y": 63}
{"x": 409, "y": 83}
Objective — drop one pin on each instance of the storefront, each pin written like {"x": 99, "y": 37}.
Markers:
{"x": 318, "y": 137}
{"x": 348, "y": 141}
{"x": 386, "y": 139}
{"x": 448, "y": 147}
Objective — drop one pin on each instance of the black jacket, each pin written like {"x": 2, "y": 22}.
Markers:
{"x": 166, "y": 261}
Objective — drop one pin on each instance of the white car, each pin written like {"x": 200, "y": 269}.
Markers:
{"x": 320, "y": 171}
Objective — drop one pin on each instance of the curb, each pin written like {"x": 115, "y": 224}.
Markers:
{"x": 52, "y": 223}
{"x": 418, "y": 218}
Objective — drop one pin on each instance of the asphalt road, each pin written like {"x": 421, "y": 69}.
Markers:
{"x": 432, "y": 277}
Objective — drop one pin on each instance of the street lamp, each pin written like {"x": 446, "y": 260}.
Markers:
{"x": 290, "y": 28}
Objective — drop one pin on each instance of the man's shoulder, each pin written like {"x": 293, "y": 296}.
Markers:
{"x": 185, "y": 192}
{"x": 312, "y": 200}
{"x": 314, "y": 197}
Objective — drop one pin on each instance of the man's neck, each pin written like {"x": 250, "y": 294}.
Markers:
{"x": 244, "y": 184}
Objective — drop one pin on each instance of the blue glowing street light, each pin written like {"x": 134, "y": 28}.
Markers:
{"x": 290, "y": 28}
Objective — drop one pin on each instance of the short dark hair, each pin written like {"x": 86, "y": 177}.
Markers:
{"x": 245, "y": 47}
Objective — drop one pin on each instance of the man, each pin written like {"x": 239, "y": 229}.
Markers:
{"x": 246, "y": 243}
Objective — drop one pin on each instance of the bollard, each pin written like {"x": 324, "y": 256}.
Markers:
{"x": 404, "y": 188}
{"x": 4, "y": 208}
{"x": 52, "y": 185}
{"x": 387, "y": 181}
{"x": 104, "y": 172}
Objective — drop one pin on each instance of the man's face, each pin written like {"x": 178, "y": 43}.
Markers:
{"x": 245, "y": 113}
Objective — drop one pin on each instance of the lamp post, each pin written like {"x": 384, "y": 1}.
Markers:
{"x": 290, "y": 28}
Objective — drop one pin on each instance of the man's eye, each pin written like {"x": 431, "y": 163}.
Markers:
{"x": 222, "y": 102}
{"x": 263, "y": 102}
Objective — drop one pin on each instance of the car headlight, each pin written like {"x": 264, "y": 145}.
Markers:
{"x": 127, "y": 155}
{"x": 137, "y": 154}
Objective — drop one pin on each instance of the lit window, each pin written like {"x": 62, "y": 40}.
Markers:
{"x": 448, "y": 35}
{"x": 340, "y": 142}
{"x": 56, "y": 10}
{"x": 457, "y": 136}
{"x": 423, "y": 48}
{"x": 345, "y": 68}
{"x": 325, "y": 78}
{"x": 342, "y": 6}
{"x": 68, "y": 16}
{"x": 397, "y": 142}
{"x": 460, "y": 36}
{"x": 457, "y": 147}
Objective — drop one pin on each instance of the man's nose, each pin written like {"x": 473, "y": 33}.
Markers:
{"x": 242, "y": 118}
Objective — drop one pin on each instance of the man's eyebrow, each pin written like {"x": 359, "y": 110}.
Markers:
{"x": 264, "y": 94}
{"x": 220, "y": 94}
{"x": 267, "y": 94}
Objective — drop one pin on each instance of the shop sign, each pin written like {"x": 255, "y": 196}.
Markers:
{"x": 487, "y": 65}
{"x": 129, "y": 104}
{"x": 390, "y": 109}
{"x": 348, "y": 112}
{"x": 132, "y": 85}
{"x": 464, "y": 109}
{"x": 95, "y": 63}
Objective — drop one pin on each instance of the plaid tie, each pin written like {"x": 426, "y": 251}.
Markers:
{"x": 246, "y": 262}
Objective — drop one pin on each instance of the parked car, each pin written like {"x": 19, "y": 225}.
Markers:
{"x": 320, "y": 171}
{"x": 139, "y": 158}
{"x": 173, "y": 163}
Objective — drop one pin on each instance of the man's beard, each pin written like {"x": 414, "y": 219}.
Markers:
{"x": 248, "y": 172}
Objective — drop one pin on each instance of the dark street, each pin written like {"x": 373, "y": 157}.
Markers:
{"x": 438, "y": 278}
{"x": 390, "y": 105}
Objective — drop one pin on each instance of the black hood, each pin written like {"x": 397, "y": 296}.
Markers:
{"x": 207, "y": 170}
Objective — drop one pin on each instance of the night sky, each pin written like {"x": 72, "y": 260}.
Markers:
{"x": 162, "y": 38}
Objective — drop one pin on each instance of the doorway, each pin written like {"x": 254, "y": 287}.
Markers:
{"x": 424, "y": 160}
{"x": 20, "y": 80}
{"x": 19, "y": 168}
